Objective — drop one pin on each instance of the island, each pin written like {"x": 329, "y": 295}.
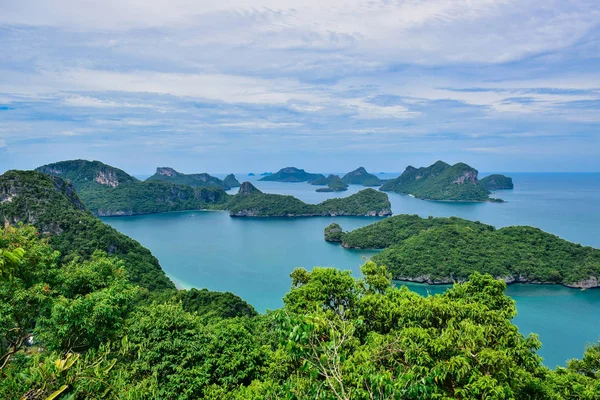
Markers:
{"x": 108, "y": 191}
{"x": 251, "y": 202}
{"x": 446, "y": 250}
{"x": 360, "y": 176}
{"x": 333, "y": 182}
{"x": 292, "y": 174}
{"x": 167, "y": 174}
{"x": 251, "y": 174}
{"x": 441, "y": 182}
{"x": 231, "y": 181}
{"x": 497, "y": 182}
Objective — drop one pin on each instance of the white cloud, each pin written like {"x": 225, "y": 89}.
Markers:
{"x": 2, "y": 143}
{"x": 420, "y": 31}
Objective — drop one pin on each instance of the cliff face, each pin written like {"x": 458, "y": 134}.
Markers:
{"x": 28, "y": 195}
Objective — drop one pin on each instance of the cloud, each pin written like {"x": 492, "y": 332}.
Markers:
{"x": 2, "y": 143}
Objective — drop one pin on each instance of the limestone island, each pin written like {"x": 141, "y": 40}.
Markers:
{"x": 497, "y": 182}
{"x": 292, "y": 174}
{"x": 231, "y": 181}
{"x": 251, "y": 202}
{"x": 443, "y": 182}
{"x": 447, "y": 250}
{"x": 360, "y": 176}
{"x": 333, "y": 182}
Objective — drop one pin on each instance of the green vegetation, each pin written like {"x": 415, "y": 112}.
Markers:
{"x": 440, "y": 181}
{"x": 107, "y": 191}
{"x": 291, "y": 174}
{"x": 96, "y": 335}
{"x": 396, "y": 229}
{"x": 251, "y": 202}
{"x": 333, "y": 233}
{"x": 360, "y": 176}
{"x": 153, "y": 197}
{"x": 442, "y": 250}
{"x": 497, "y": 182}
{"x": 334, "y": 184}
{"x": 52, "y": 205}
{"x": 166, "y": 174}
{"x": 231, "y": 181}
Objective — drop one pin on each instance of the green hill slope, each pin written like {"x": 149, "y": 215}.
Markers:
{"x": 51, "y": 204}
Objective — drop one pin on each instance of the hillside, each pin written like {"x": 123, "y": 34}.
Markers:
{"x": 360, "y": 176}
{"x": 51, "y": 204}
{"x": 292, "y": 174}
{"x": 440, "y": 181}
{"x": 166, "y": 174}
{"x": 107, "y": 191}
{"x": 333, "y": 182}
{"x": 444, "y": 250}
{"x": 251, "y": 202}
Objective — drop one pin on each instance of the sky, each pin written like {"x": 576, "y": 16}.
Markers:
{"x": 328, "y": 85}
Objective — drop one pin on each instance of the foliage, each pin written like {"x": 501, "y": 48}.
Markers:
{"x": 439, "y": 181}
{"x": 254, "y": 203}
{"x": 336, "y": 337}
{"x": 360, "y": 176}
{"x": 366, "y": 339}
{"x": 214, "y": 304}
{"x": 291, "y": 174}
{"x": 52, "y": 205}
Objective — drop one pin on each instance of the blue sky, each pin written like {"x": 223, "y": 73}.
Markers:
{"x": 504, "y": 85}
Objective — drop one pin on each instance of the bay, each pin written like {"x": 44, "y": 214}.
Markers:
{"x": 254, "y": 257}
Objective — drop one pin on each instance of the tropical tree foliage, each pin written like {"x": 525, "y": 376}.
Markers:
{"x": 81, "y": 330}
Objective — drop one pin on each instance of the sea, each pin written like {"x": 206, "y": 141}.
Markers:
{"x": 253, "y": 258}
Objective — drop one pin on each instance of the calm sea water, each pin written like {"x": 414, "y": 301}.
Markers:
{"x": 254, "y": 257}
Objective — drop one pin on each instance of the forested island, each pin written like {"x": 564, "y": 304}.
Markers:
{"x": 445, "y": 250}
{"x": 88, "y": 313}
{"x": 360, "y": 176}
{"x": 231, "y": 181}
{"x": 444, "y": 182}
{"x": 333, "y": 182}
{"x": 291, "y": 174}
{"x": 497, "y": 182}
{"x": 251, "y": 202}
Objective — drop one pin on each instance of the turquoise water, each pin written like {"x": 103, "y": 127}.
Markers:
{"x": 254, "y": 257}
